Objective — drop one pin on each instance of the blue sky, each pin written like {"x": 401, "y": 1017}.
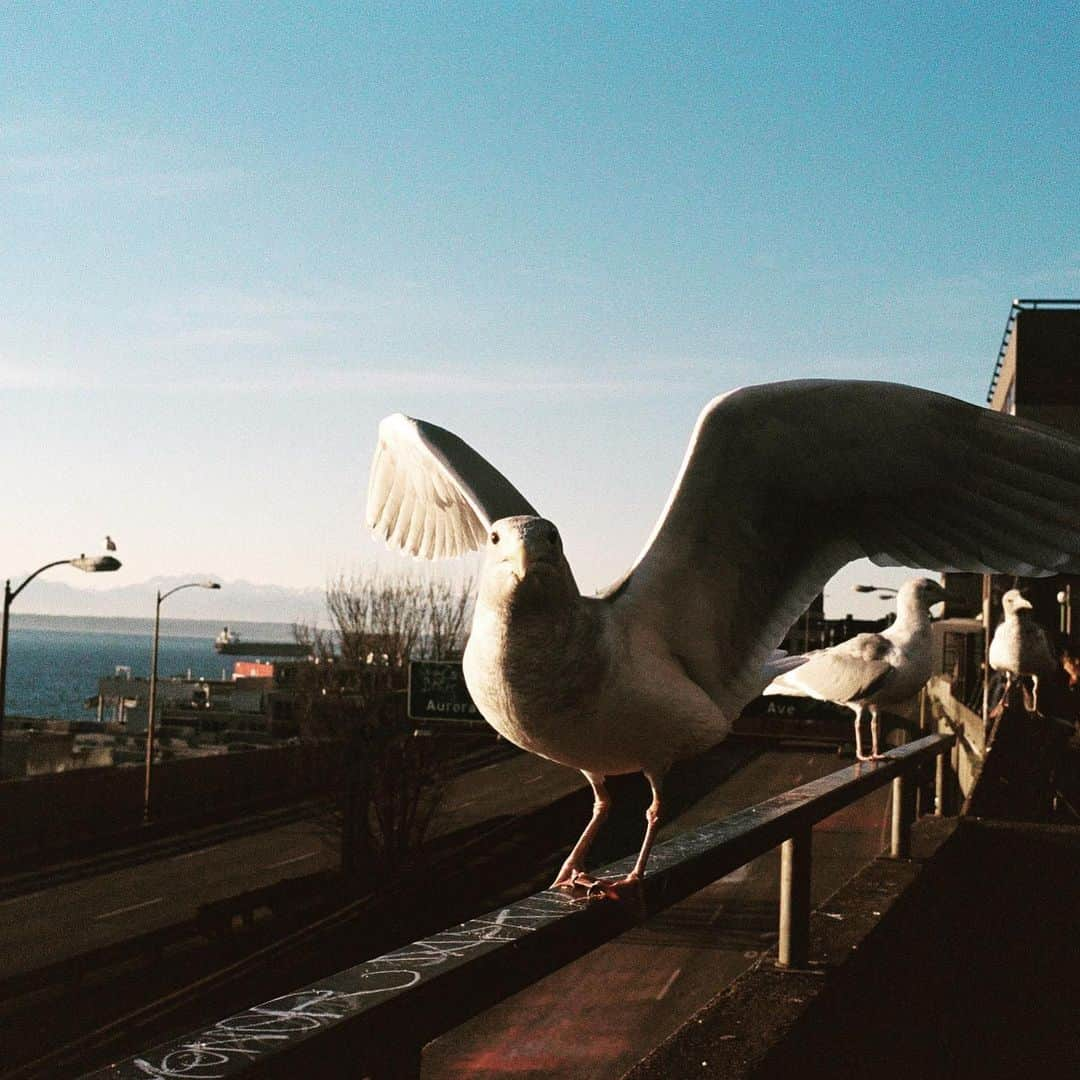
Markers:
{"x": 234, "y": 236}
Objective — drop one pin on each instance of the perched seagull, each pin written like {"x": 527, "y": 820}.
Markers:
{"x": 781, "y": 485}
{"x": 1020, "y": 646}
{"x": 870, "y": 670}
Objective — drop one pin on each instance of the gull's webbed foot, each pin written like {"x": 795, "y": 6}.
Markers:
{"x": 573, "y": 878}
{"x": 598, "y": 888}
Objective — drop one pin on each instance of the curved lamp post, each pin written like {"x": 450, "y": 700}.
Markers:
{"x": 152, "y": 707}
{"x": 885, "y": 592}
{"x": 90, "y": 564}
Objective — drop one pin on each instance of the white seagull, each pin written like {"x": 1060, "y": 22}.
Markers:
{"x": 870, "y": 670}
{"x": 782, "y": 485}
{"x": 1020, "y": 646}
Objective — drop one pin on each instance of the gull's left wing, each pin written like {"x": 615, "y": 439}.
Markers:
{"x": 783, "y": 484}
{"x": 432, "y": 495}
{"x": 849, "y": 671}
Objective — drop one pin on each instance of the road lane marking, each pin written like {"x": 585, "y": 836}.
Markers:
{"x": 287, "y": 862}
{"x": 667, "y": 986}
{"x": 130, "y": 907}
{"x": 22, "y": 896}
{"x": 461, "y": 806}
{"x": 196, "y": 851}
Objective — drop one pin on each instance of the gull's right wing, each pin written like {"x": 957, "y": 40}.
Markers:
{"x": 433, "y": 496}
{"x": 783, "y": 484}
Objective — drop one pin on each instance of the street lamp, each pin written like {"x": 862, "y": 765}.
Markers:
{"x": 1064, "y": 598}
{"x": 884, "y": 591}
{"x": 153, "y": 685}
{"x": 90, "y": 564}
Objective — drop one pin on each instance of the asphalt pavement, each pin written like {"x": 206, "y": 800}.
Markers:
{"x": 75, "y": 916}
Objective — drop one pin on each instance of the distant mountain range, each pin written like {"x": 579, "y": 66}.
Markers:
{"x": 237, "y": 601}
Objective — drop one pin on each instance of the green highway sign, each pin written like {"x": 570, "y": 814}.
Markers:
{"x": 437, "y": 692}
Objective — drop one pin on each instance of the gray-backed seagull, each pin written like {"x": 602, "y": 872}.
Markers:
{"x": 782, "y": 484}
{"x": 870, "y": 670}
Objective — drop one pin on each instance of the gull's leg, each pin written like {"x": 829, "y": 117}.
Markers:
{"x": 652, "y": 818}
{"x": 875, "y": 731}
{"x": 572, "y": 869}
{"x": 1035, "y": 693}
{"x": 613, "y": 889}
{"x": 1004, "y": 699}
{"x": 859, "y": 710}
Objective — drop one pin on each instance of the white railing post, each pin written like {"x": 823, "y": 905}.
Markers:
{"x": 795, "y": 863}
{"x": 902, "y": 813}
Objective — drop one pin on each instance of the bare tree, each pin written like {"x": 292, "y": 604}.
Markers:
{"x": 354, "y": 690}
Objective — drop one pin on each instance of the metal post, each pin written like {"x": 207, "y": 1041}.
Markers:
{"x": 987, "y": 590}
{"x": 900, "y": 848}
{"x": 151, "y": 710}
{"x": 3, "y": 665}
{"x": 939, "y": 785}
{"x": 795, "y": 862}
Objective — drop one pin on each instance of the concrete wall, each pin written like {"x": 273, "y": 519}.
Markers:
{"x": 89, "y": 806}
{"x": 971, "y": 975}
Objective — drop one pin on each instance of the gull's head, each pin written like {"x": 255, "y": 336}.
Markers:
{"x": 920, "y": 594}
{"x": 524, "y": 558}
{"x": 1014, "y": 601}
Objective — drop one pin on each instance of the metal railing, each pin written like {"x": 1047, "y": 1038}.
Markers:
{"x": 375, "y": 1018}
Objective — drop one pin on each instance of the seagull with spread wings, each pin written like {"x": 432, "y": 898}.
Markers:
{"x": 782, "y": 484}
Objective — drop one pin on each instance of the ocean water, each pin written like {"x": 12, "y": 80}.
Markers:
{"x": 54, "y": 664}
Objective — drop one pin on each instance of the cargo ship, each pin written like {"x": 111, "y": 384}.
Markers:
{"x": 231, "y": 644}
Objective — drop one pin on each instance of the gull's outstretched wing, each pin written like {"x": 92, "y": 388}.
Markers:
{"x": 433, "y": 496}
{"x": 847, "y": 672}
{"x": 783, "y": 484}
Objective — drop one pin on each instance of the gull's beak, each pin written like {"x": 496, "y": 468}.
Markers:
{"x": 526, "y": 555}
{"x": 1023, "y": 604}
{"x": 518, "y": 561}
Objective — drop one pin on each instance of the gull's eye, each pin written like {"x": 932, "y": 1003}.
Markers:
{"x": 494, "y": 537}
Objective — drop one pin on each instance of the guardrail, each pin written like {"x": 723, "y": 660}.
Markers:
{"x": 375, "y": 1018}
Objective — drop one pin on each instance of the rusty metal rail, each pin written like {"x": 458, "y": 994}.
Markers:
{"x": 375, "y": 1018}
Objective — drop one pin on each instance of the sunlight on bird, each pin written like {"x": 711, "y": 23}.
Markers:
{"x": 1020, "y": 646}
{"x": 871, "y": 670}
{"x": 781, "y": 486}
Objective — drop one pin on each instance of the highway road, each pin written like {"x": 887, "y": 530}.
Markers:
{"x": 70, "y": 918}
{"x": 567, "y": 1025}
{"x": 595, "y": 1018}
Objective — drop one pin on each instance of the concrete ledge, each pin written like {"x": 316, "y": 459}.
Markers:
{"x": 960, "y": 963}
{"x": 738, "y": 1033}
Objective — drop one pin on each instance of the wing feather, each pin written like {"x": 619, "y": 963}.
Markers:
{"x": 782, "y": 484}
{"x": 431, "y": 495}
{"x": 847, "y": 672}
